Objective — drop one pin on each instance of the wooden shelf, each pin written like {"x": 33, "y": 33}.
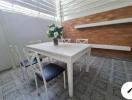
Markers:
{"x": 111, "y": 47}
{"x": 118, "y": 21}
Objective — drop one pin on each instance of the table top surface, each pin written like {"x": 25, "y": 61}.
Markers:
{"x": 66, "y": 49}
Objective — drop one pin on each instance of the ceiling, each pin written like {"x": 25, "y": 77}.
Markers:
{"x": 45, "y": 6}
{"x": 70, "y": 9}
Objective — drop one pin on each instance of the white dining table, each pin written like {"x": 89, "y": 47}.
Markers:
{"x": 65, "y": 52}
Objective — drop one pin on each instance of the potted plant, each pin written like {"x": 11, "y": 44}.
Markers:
{"x": 55, "y": 32}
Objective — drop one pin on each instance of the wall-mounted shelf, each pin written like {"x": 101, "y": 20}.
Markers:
{"x": 111, "y": 47}
{"x": 118, "y": 21}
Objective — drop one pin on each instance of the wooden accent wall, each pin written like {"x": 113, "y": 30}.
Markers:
{"x": 119, "y": 34}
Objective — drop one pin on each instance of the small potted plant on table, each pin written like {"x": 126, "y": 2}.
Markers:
{"x": 55, "y": 32}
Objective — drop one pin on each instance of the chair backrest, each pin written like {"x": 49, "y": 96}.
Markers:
{"x": 66, "y": 40}
{"x": 30, "y": 57}
{"x": 85, "y": 41}
{"x": 27, "y": 53}
{"x": 37, "y": 68}
{"x": 21, "y": 60}
{"x": 36, "y": 41}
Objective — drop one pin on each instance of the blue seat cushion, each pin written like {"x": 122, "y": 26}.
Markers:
{"x": 26, "y": 62}
{"x": 50, "y": 71}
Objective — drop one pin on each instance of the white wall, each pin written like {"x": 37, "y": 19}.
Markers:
{"x": 4, "y": 51}
{"x": 20, "y": 29}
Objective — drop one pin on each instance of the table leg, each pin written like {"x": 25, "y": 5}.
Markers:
{"x": 86, "y": 58}
{"x": 87, "y": 65}
{"x": 70, "y": 78}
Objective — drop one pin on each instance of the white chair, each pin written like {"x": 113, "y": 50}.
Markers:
{"x": 66, "y": 40}
{"x": 45, "y": 72}
{"x": 24, "y": 63}
{"x": 85, "y": 41}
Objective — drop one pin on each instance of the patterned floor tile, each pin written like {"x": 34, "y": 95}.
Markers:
{"x": 13, "y": 95}
{"x": 119, "y": 82}
{"x": 130, "y": 77}
{"x": 1, "y": 95}
{"x": 117, "y": 93}
{"x": 101, "y": 85}
{"x": 118, "y": 65}
{"x": 119, "y": 75}
{"x": 96, "y": 95}
{"x": 103, "y": 76}
{"x": 8, "y": 87}
{"x": 85, "y": 77}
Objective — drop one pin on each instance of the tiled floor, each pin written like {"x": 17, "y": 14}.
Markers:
{"x": 102, "y": 82}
